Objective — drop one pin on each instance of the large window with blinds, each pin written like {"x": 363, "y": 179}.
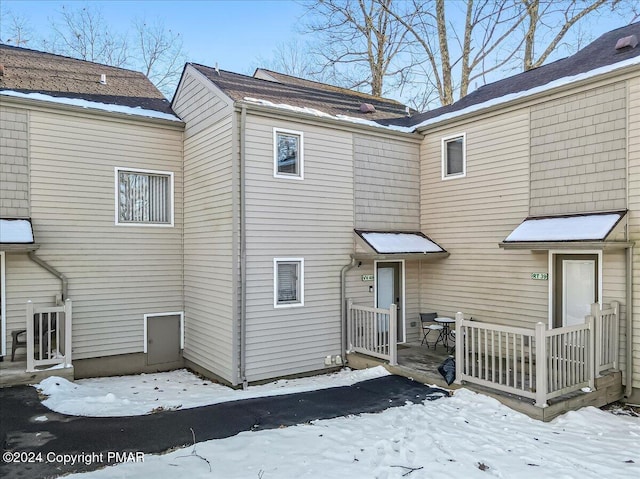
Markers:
{"x": 144, "y": 197}
{"x": 288, "y": 282}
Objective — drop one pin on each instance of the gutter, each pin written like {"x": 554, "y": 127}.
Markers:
{"x": 243, "y": 251}
{"x": 39, "y": 261}
{"x": 343, "y": 307}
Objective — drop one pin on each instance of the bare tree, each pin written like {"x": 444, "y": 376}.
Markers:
{"x": 456, "y": 58}
{"x": 17, "y": 29}
{"x": 159, "y": 53}
{"x": 293, "y": 58}
{"x": 359, "y": 42}
{"x": 83, "y": 33}
{"x": 553, "y": 20}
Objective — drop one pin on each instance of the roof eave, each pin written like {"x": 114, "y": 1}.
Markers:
{"x": 566, "y": 245}
{"x": 18, "y": 247}
{"x": 271, "y": 110}
{"x": 40, "y": 103}
{"x": 399, "y": 256}
{"x": 434, "y": 122}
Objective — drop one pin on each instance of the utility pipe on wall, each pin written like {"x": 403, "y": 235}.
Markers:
{"x": 63, "y": 279}
{"x": 343, "y": 322}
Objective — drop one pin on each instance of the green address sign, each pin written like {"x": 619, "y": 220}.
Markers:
{"x": 542, "y": 276}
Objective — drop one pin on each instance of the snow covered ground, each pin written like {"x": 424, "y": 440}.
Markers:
{"x": 465, "y": 436}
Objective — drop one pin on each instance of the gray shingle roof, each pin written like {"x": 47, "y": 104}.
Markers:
{"x": 600, "y": 53}
{"x": 301, "y": 93}
{"x": 31, "y": 71}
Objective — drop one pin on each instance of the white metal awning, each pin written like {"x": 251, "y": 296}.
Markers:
{"x": 397, "y": 244}
{"x": 16, "y": 235}
{"x": 546, "y": 232}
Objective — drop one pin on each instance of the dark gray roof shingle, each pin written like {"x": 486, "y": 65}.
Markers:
{"x": 301, "y": 93}
{"x": 600, "y": 53}
{"x": 31, "y": 71}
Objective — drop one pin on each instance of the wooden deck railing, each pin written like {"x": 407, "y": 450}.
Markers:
{"x": 48, "y": 335}
{"x": 373, "y": 331}
{"x": 537, "y": 363}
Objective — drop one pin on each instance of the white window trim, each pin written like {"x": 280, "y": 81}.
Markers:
{"x": 117, "y": 171}
{"x": 154, "y": 315}
{"x": 275, "y": 282}
{"x": 443, "y": 153}
{"x": 300, "y": 135}
{"x": 551, "y": 259}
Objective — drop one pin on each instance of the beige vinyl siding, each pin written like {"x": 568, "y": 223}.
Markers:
{"x": 14, "y": 167}
{"x": 116, "y": 273}
{"x": 286, "y": 218}
{"x": 633, "y": 215}
{"x": 208, "y": 228}
{"x": 578, "y": 149}
{"x": 470, "y": 216}
{"x": 387, "y": 183}
{"x": 25, "y": 281}
{"x": 614, "y": 289}
{"x": 208, "y": 252}
{"x": 197, "y": 103}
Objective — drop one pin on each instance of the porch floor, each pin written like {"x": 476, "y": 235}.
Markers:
{"x": 421, "y": 364}
{"x": 13, "y": 373}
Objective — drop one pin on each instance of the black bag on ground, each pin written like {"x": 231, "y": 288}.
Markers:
{"x": 448, "y": 370}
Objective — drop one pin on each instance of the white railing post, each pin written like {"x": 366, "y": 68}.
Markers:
{"x": 591, "y": 352}
{"x": 460, "y": 334}
{"x": 67, "y": 333}
{"x": 541, "y": 365}
{"x": 393, "y": 335}
{"x": 30, "y": 337}
{"x": 615, "y": 331}
{"x": 596, "y": 330}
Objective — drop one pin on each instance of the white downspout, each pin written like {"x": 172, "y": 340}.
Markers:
{"x": 343, "y": 307}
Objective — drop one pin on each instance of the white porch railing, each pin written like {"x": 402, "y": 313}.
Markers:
{"x": 607, "y": 334}
{"x": 537, "y": 363}
{"x": 48, "y": 335}
{"x": 373, "y": 331}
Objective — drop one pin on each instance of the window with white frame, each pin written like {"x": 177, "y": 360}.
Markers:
{"x": 287, "y": 154}
{"x": 144, "y": 197}
{"x": 454, "y": 156}
{"x": 288, "y": 282}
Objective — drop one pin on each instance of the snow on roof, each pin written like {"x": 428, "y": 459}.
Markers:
{"x": 15, "y": 231}
{"x": 316, "y": 112}
{"x": 128, "y": 110}
{"x": 593, "y": 227}
{"x": 525, "y": 93}
{"x": 388, "y": 243}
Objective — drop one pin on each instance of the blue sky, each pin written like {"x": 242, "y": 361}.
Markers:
{"x": 232, "y": 33}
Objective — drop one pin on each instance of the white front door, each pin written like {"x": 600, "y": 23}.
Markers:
{"x": 389, "y": 290}
{"x": 578, "y": 289}
{"x": 575, "y": 288}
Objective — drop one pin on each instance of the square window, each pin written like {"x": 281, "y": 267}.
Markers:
{"x": 288, "y": 152}
{"x": 454, "y": 156}
{"x": 144, "y": 197}
{"x": 288, "y": 282}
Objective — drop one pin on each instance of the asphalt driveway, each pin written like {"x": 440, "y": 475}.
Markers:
{"x": 33, "y": 447}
